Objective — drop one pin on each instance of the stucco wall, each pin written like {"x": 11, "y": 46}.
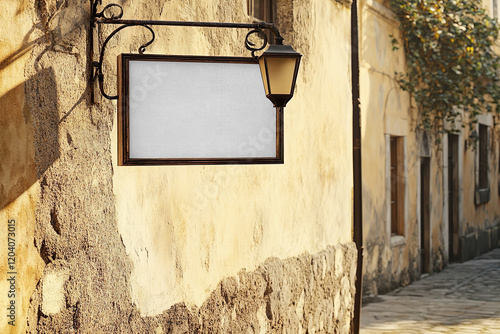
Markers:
{"x": 219, "y": 219}
{"x": 480, "y": 223}
{"x": 483, "y": 218}
{"x": 215, "y": 220}
{"x": 103, "y": 248}
{"x": 386, "y": 110}
{"x": 19, "y": 189}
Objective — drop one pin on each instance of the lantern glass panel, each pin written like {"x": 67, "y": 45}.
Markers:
{"x": 264, "y": 74}
{"x": 280, "y": 72}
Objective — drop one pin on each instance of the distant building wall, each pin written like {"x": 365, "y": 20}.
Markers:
{"x": 480, "y": 223}
{"x": 396, "y": 256}
{"x": 385, "y": 113}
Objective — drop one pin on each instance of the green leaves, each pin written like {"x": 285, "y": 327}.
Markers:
{"x": 450, "y": 58}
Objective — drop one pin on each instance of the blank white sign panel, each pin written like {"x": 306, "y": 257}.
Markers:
{"x": 191, "y": 110}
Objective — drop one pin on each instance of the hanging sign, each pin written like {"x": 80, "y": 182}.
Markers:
{"x": 180, "y": 110}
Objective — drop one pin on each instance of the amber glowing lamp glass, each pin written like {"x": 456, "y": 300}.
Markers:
{"x": 279, "y": 67}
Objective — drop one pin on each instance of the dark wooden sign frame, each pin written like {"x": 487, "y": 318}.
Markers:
{"x": 124, "y": 158}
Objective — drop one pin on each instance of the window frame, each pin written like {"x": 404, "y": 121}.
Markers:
{"x": 267, "y": 14}
{"x": 398, "y": 178}
{"x": 266, "y": 8}
{"x": 482, "y": 161}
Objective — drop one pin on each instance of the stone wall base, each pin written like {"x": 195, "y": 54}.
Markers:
{"x": 477, "y": 243}
{"x": 303, "y": 294}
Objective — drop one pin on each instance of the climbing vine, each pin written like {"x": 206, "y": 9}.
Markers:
{"x": 451, "y": 64}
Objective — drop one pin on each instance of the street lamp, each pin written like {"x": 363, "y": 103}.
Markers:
{"x": 279, "y": 66}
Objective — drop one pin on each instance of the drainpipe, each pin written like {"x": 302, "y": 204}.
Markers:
{"x": 356, "y": 160}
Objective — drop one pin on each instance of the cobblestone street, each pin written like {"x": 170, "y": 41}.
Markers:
{"x": 463, "y": 298}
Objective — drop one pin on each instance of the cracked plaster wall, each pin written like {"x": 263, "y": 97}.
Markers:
{"x": 105, "y": 249}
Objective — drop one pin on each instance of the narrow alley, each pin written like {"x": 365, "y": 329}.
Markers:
{"x": 463, "y": 298}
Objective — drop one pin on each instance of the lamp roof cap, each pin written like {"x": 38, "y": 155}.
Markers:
{"x": 281, "y": 50}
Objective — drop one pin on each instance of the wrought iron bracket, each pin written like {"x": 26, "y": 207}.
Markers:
{"x": 108, "y": 16}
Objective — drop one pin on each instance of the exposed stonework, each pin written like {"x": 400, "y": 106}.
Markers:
{"x": 299, "y": 295}
{"x": 387, "y": 269}
{"x": 53, "y": 296}
{"x": 305, "y": 294}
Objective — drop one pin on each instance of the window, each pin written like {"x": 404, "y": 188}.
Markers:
{"x": 397, "y": 185}
{"x": 483, "y": 156}
{"x": 494, "y": 8}
{"x": 482, "y": 166}
{"x": 262, "y": 10}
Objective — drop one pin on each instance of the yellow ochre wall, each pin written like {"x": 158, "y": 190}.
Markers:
{"x": 102, "y": 248}
{"x": 212, "y": 221}
{"x": 19, "y": 189}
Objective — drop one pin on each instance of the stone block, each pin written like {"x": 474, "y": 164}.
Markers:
{"x": 495, "y": 233}
{"x": 53, "y": 297}
{"x": 484, "y": 241}
{"x": 467, "y": 247}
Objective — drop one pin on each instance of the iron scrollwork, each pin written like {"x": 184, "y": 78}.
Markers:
{"x": 252, "y": 46}
{"x": 102, "y": 13}
{"x": 115, "y": 18}
{"x": 98, "y": 65}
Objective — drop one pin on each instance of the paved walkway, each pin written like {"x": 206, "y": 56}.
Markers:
{"x": 463, "y": 298}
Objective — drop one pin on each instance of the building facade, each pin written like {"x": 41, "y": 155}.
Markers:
{"x": 102, "y": 248}
{"x": 424, "y": 205}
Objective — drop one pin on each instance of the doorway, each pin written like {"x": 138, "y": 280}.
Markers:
{"x": 425, "y": 214}
{"x": 453, "y": 199}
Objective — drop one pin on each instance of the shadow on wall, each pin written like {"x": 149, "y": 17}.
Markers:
{"x": 29, "y": 142}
